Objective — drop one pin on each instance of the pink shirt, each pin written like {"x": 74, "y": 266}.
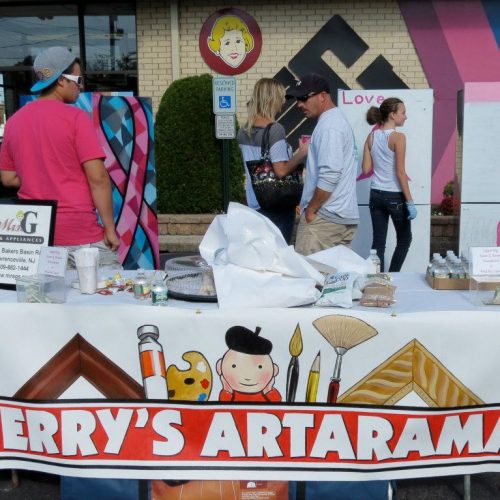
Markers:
{"x": 46, "y": 142}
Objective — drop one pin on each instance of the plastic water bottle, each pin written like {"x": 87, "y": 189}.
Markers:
{"x": 142, "y": 288}
{"x": 159, "y": 291}
{"x": 441, "y": 269}
{"x": 375, "y": 260}
{"x": 465, "y": 263}
{"x": 432, "y": 264}
{"x": 456, "y": 269}
{"x": 450, "y": 259}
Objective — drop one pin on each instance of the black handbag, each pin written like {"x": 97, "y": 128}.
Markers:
{"x": 273, "y": 193}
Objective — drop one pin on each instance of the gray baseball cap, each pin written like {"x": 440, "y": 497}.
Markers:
{"x": 49, "y": 65}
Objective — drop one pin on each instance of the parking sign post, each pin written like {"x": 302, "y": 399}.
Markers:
{"x": 224, "y": 107}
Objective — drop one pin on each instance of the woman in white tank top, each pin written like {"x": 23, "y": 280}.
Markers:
{"x": 390, "y": 196}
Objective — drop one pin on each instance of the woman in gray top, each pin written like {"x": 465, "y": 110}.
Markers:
{"x": 266, "y": 102}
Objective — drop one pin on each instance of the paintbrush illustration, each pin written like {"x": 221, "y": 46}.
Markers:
{"x": 292, "y": 375}
{"x": 342, "y": 333}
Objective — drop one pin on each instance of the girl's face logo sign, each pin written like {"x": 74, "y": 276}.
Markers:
{"x": 230, "y": 41}
{"x": 232, "y": 48}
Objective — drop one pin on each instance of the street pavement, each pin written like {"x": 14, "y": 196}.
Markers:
{"x": 38, "y": 486}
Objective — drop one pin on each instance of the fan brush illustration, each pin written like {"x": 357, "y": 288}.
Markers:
{"x": 342, "y": 333}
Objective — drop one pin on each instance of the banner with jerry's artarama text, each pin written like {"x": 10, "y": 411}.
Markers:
{"x": 246, "y": 441}
{"x": 299, "y": 394}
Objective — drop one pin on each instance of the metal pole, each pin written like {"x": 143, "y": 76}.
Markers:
{"x": 467, "y": 487}
{"x": 225, "y": 173}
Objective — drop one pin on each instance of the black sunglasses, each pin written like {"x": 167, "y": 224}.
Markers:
{"x": 304, "y": 98}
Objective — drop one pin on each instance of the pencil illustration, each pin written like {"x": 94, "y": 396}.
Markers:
{"x": 313, "y": 380}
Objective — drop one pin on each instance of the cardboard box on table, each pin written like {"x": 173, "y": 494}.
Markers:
{"x": 448, "y": 283}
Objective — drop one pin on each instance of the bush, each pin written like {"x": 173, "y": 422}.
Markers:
{"x": 447, "y": 206}
{"x": 188, "y": 156}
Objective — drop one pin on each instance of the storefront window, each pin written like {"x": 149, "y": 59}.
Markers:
{"x": 110, "y": 43}
{"x": 102, "y": 35}
{"x": 23, "y": 37}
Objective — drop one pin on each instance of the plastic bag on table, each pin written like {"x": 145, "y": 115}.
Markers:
{"x": 343, "y": 259}
{"x": 276, "y": 276}
{"x": 337, "y": 290}
{"x": 240, "y": 287}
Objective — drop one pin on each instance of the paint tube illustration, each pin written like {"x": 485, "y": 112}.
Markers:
{"x": 152, "y": 363}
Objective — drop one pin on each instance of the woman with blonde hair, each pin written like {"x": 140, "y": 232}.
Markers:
{"x": 266, "y": 102}
{"x": 390, "y": 195}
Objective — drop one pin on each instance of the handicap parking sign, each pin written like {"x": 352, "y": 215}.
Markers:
{"x": 224, "y": 101}
{"x": 224, "y": 95}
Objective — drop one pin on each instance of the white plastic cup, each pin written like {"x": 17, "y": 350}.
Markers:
{"x": 87, "y": 276}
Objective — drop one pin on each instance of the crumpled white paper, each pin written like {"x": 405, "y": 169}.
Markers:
{"x": 253, "y": 265}
{"x": 343, "y": 259}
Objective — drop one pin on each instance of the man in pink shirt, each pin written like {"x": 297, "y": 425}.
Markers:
{"x": 50, "y": 152}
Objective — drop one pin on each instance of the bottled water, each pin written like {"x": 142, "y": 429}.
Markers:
{"x": 465, "y": 263}
{"x": 450, "y": 255}
{"x": 457, "y": 269}
{"x": 375, "y": 261}
{"x": 142, "y": 288}
{"x": 432, "y": 264}
{"x": 441, "y": 269}
{"x": 159, "y": 291}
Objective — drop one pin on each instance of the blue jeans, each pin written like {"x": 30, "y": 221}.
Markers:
{"x": 283, "y": 219}
{"x": 385, "y": 204}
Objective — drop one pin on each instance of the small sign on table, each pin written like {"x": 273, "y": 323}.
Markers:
{"x": 25, "y": 227}
{"x": 484, "y": 261}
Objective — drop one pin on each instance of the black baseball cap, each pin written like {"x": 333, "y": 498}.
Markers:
{"x": 312, "y": 83}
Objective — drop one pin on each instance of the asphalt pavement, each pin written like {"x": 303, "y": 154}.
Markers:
{"x": 38, "y": 486}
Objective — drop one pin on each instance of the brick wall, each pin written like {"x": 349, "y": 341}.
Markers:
{"x": 184, "y": 232}
{"x": 444, "y": 233}
{"x": 154, "y": 49}
{"x": 286, "y": 27}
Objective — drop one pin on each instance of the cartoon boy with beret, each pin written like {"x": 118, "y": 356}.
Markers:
{"x": 246, "y": 370}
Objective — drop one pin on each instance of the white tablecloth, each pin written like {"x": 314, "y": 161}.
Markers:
{"x": 413, "y": 294}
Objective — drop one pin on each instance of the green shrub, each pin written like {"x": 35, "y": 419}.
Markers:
{"x": 188, "y": 156}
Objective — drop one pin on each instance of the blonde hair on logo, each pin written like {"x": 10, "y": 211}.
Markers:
{"x": 266, "y": 101}
{"x": 229, "y": 23}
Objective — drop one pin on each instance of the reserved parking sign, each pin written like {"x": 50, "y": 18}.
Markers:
{"x": 224, "y": 95}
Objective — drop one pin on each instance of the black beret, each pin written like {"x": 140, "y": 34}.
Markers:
{"x": 241, "y": 339}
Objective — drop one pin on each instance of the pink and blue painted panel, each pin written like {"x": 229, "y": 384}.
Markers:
{"x": 125, "y": 129}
